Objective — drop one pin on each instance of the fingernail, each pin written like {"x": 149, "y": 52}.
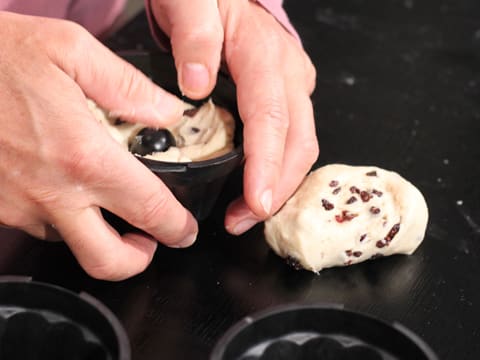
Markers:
{"x": 244, "y": 225}
{"x": 266, "y": 201}
{"x": 188, "y": 241}
{"x": 194, "y": 78}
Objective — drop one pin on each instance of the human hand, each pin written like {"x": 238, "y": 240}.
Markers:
{"x": 59, "y": 166}
{"x": 274, "y": 79}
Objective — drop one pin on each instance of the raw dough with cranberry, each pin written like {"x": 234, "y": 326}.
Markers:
{"x": 202, "y": 133}
{"x": 342, "y": 215}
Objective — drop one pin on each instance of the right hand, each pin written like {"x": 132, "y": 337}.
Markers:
{"x": 59, "y": 166}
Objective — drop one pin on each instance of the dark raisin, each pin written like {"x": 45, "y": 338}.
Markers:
{"x": 363, "y": 237}
{"x": 194, "y": 130}
{"x": 357, "y": 253}
{"x": 333, "y": 183}
{"x": 118, "y": 122}
{"x": 365, "y": 196}
{"x": 327, "y": 205}
{"x": 393, "y": 231}
{"x": 354, "y": 190}
{"x": 190, "y": 112}
{"x": 348, "y": 252}
{"x": 293, "y": 262}
{"x": 149, "y": 141}
{"x": 374, "y": 210}
{"x": 351, "y": 200}
{"x": 378, "y": 193}
{"x": 336, "y": 191}
{"x": 371, "y": 173}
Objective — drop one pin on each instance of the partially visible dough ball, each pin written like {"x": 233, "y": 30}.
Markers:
{"x": 342, "y": 215}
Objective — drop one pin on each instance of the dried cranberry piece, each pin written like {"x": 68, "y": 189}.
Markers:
{"x": 393, "y": 231}
{"x": 351, "y": 200}
{"x": 336, "y": 191}
{"x": 380, "y": 244}
{"x": 345, "y": 216}
{"x": 333, "y": 183}
{"x": 327, "y": 205}
{"x": 347, "y": 263}
{"x": 354, "y": 190}
{"x": 365, "y": 196}
{"x": 348, "y": 252}
{"x": 191, "y": 112}
{"x": 371, "y": 173}
{"x": 357, "y": 253}
{"x": 374, "y": 210}
{"x": 376, "y": 192}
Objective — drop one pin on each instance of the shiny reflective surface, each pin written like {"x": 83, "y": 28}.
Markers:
{"x": 399, "y": 87}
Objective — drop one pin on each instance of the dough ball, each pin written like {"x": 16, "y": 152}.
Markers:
{"x": 202, "y": 133}
{"x": 342, "y": 215}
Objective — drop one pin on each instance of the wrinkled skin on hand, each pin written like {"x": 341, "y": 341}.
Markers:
{"x": 59, "y": 166}
{"x": 274, "y": 79}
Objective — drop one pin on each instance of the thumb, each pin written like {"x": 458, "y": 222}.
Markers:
{"x": 117, "y": 85}
{"x": 196, "y": 36}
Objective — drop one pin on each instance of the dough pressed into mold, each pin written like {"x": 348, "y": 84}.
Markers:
{"x": 342, "y": 215}
{"x": 202, "y": 133}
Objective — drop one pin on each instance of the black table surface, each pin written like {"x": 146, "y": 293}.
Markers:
{"x": 398, "y": 87}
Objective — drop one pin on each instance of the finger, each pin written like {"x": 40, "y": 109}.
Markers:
{"x": 301, "y": 151}
{"x": 46, "y": 232}
{"x": 100, "y": 250}
{"x": 139, "y": 197}
{"x": 301, "y": 148}
{"x": 113, "y": 83}
{"x": 239, "y": 218}
{"x": 196, "y": 36}
{"x": 264, "y": 111}
{"x": 22, "y": 217}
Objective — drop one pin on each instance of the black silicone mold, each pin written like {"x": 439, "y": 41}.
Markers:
{"x": 198, "y": 184}
{"x": 308, "y": 332}
{"x": 39, "y": 321}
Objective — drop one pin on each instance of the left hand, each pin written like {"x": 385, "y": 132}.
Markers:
{"x": 274, "y": 79}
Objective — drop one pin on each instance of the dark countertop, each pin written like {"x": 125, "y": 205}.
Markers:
{"x": 398, "y": 87}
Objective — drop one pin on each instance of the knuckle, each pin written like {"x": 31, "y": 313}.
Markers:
{"x": 271, "y": 161}
{"x": 206, "y": 33}
{"x": 104, "y": 269}
{"x": 275, "y": 115}
{"x": 152, "y": 212}
{"x": 73, "y": 42}
{"x": 82, "y": 162}
{"x": 73, "y": 37}
{"x": 131, "y": 84}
